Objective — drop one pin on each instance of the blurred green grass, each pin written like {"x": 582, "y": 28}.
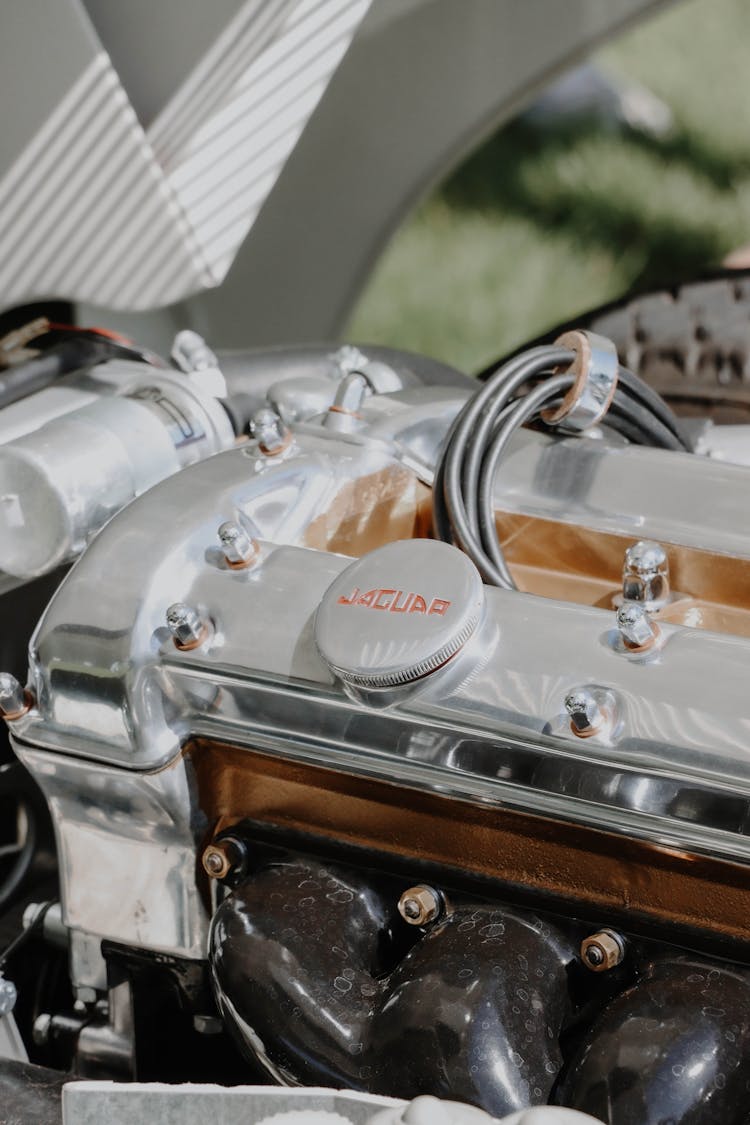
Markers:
{"x": 536, "y": 227}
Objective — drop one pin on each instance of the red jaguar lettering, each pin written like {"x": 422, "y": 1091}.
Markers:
{"x": 395, "y": 601}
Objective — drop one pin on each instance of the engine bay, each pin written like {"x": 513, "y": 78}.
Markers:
{"x": 392, "y": 727}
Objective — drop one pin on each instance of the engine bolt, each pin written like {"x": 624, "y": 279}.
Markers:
{"x": 586, "y": 714}
{"x": 268, "y": 429}
{"x": 420, "y": 905}
{"x": 223, "y": 857}
{"x": 636, "y": 628}
{"x": 215, "y": 862}
{"x": 239, "y": 549}
{"x": 603, "y": 950}
{"x": 645, "y": 575}
{"x": 15, "y": 701}
{"x": 186, "y": 626}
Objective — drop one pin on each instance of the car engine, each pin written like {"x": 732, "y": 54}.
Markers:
{"x": 393, "y": 728}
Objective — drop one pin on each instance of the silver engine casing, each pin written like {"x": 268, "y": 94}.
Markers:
{"x": 119, "y": 707}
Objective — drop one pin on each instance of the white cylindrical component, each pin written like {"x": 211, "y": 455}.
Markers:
{"x": 61, "y": 483}
{"x": 31, "y": 413}
{"x": 196, "y": 421}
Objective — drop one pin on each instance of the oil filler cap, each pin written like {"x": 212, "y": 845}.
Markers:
{"x": 399, "y": 613}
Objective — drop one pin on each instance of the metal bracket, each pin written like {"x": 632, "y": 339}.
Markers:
{"x": 595, "y": 368}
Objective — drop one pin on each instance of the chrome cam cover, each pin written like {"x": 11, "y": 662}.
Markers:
{"x": 117, "y": 701}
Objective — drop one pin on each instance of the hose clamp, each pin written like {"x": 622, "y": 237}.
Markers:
{"x": 595, "y": 369}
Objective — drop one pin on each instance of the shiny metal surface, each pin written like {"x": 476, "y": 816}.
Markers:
{"x": 351, "y": 393}
{"x": 645, "y": 575}
{"x": 116, "y": 700}
{"x": 636, "y": 628}
{"x": 399, "y": 613}
{"x": 674, "y": 1048}
{"x": 239, "y": 549}
{"x": 603, "y": 951}
{"x": 596, "y": 368}
{"x": 381, "y": 377}
{"x": 13, "y": 700}
{"x": 588, "y": 483}
{"x": 186, "y": 625}
{"x": 418, "y": 906}
{"x": 325, "y": 943}
{"x": 270, "y": 431}
{"x": 127, "y": 846}
{"x": 61, "y": 482}
{"x": 587, "y": 715}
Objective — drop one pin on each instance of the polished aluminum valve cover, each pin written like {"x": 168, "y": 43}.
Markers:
{"x": 349, "y": 640}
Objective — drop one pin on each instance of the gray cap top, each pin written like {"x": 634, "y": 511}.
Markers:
{"x": 399, "y": 613}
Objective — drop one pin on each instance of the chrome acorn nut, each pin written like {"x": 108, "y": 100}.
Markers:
{"x": 645, "y": 575}
{"x": 15, "y": 701}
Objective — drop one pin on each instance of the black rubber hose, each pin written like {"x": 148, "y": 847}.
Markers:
{"x": 633, "y": 385}
{"x": 650, "y": 430}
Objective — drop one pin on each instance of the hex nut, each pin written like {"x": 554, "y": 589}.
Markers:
{"x": 584, "y": 710}
{"x": 223, "y": 857}
{"x": 216, "y": 861}
{"x": 187, "y": 627}
{"x": 240, "y": 551}
{"x": 637, "y": 630}
{"x": 602, "y": 951}
{"x": 420, "y": 905}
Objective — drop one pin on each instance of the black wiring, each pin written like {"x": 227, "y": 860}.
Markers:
{"x": 518, "y": 394}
